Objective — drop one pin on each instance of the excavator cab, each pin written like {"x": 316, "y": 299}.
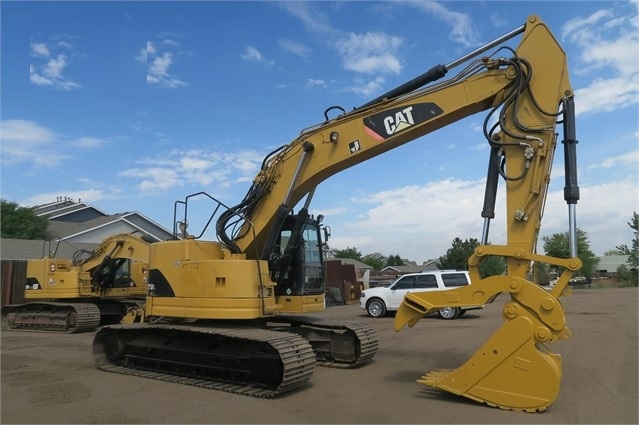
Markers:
{"x": 297, "y": 261}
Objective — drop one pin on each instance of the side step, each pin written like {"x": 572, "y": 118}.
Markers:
{"x": 247, "y": 361}
{"x": 336, "y": 344}
{"x": 51, "y": 317}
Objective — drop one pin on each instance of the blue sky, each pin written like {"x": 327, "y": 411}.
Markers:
{"x": 131, "y": 106}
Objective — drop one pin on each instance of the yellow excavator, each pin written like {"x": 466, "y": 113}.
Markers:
{"x": 77, "y": 295}
{"x": 216, "y": 309}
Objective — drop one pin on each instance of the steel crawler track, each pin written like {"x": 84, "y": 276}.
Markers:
{"x": 51, "y": 317}
{"x": 295, "y": 354}
{"x": 360, "y": 338}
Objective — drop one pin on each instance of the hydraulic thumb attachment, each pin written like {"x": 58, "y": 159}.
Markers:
{"x": 513, "y": 370}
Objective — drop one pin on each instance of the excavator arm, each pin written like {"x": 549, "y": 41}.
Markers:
{"x": 527, "y": 93}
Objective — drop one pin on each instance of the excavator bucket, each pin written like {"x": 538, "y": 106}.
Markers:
{"x": 511, "y": 371}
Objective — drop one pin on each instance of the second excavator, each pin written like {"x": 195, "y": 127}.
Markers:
{"x": 221, "y": 314}
{"x": 93, "y": 288}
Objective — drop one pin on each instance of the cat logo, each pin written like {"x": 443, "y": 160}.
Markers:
{"x": 402, "y": 120}
{"x": 386, "y": 124}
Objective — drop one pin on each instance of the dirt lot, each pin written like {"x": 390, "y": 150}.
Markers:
{"x": 49, "y": 378}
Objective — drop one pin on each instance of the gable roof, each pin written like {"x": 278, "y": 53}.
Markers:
{"x": 68, "y": 210}
{"x": 609, "y": 263}
{"x": 427, "y": 266}
{"x": 78, "y": 225}
{"x": 23, "y": 249}
{"x": 356, "y": 263}
{"x": 120, "y": 223}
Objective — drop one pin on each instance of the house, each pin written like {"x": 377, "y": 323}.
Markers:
{"x": 78, "y": 225}
{"x": 608, "y": 264}
{"x": 345, "y": 279}
{"x": 411, "y": 268}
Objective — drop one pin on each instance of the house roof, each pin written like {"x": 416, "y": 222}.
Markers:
{"x": 356, "y": 263}
{"x": 134, "y": 220}
{"x": 427, "y": 266}
{"x": 78, "y": 226}
{"x": 65, "y": 209}
{"x": 609, "y": 263}
{"x": 23, "y": 249}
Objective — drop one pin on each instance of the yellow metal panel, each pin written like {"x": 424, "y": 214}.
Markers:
{"x": 301, "y": 304}
{"x": 208, "y": 308}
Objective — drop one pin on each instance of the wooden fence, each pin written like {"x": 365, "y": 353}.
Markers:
{"x": 13, "y": 275}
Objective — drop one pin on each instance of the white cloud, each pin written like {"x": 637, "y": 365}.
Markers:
{"x": 608, "y": 43}
{"x": 24, "y": 141}
{"x": 313, "y": 19}
{"x": 48, "y": 66}
{"x": 607, "y": 95}
{"x": 39, "y": 49}
{"x": 630, "y": 158}
{"x": 296, "y": 48}
{"x": 462, "y": 30}
{"x": 315, "y": 82}
{"x": 89, "y": 142}
{"x": 370, "y": 53}
{"x": 199, "y": 167}
{"x": 420, "y": 221}
{"x": 366, "y": 88}
{"x": 251, "y": 54}
{"x": 153, "y": 178}
{"x": 159, "y": 60}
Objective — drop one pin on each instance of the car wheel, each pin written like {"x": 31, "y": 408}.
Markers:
{"x": 449, "y": 313}
{"x": 376, "y": 308}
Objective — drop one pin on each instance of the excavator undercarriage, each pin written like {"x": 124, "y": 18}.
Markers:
{"x": 51, "y": 317}
{"x": 257, "y": 358}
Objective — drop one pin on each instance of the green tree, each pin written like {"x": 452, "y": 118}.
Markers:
{"x": 633, "y": 259}
{"x": 18, "y": 222}
{"x": 457, "y": 255}
{"x": 614, "y": 252}
{"x": 557, "y": 245}
{"x": 375, "y": 262}
{"x": 630, "y": 272}
{"x": 492, "y": 266}
{"x": 394, "y": 260}
{"x": 349, "y": 252}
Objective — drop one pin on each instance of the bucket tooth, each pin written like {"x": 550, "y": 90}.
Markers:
{"x": 511, "y": 371}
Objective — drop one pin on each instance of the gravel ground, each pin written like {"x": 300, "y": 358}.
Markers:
{"x": 49, "y": 378}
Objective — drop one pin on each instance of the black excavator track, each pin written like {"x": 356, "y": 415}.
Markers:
{"x": 336, "y": 344}
{"x": 248, "y": 361}
{"x": 51, "y": 317}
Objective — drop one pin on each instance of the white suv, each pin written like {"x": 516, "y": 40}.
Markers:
{"x": 378, "y": 301}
